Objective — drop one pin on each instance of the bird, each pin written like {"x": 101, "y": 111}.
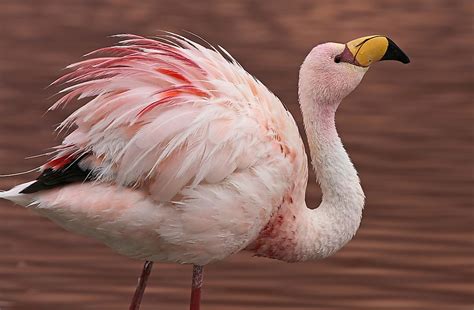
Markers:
{"x": 176, "y": 154}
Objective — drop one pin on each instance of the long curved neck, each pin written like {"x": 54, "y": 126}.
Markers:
{"x": 329, "y": 227}
{"x": 297, "y": 233}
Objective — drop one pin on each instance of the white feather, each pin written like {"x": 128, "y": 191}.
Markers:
{"x": 15, "y": 196}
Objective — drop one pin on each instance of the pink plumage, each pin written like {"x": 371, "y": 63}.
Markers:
{"x": 189, "y": 133}
{"x": 180, "y": 155}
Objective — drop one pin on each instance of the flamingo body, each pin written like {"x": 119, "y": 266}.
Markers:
{"x": 191, "y": 157}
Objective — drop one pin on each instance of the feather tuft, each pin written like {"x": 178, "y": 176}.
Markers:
{"x": 165, "y": 112}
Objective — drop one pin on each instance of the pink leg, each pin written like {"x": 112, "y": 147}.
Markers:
{"x": 137, "y": 297}
{"x": 196, "y": 288}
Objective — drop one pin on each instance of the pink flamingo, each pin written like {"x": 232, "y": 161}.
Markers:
{"x": 180, "y": 155}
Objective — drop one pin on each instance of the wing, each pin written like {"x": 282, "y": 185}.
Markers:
{"x": 161, "y": 115}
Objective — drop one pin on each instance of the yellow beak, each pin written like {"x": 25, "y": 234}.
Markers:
{"x": 367, "y": 50}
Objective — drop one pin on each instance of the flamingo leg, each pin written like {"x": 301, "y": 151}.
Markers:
{"x": 137, "y": 297}
{"x": 196, "y": 288}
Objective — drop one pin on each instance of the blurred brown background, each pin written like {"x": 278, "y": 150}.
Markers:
{"x": 408, "y": 130}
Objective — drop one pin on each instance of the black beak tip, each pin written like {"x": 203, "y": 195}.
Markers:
{"x": 395, "y": 53}
{"x": 404, "y": 58}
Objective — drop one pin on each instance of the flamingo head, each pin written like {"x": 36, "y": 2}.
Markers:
{"x": 331, "y": 71}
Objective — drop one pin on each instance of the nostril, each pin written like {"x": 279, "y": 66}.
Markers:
{"x": 337, "y": 59}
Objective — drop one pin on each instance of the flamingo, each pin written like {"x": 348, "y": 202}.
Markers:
{"x": 179, "y": 155}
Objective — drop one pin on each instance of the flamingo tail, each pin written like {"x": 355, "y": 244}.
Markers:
{"x": 16, "y": 196}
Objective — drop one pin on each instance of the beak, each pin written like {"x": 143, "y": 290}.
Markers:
{"x": 367, "y": 50}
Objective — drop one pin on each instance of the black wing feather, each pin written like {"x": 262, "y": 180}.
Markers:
{"x": 51, "y": 178}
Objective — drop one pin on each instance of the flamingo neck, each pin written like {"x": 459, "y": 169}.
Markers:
{"x": 297, "y": 233}
{"x": 329, "y": 227}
